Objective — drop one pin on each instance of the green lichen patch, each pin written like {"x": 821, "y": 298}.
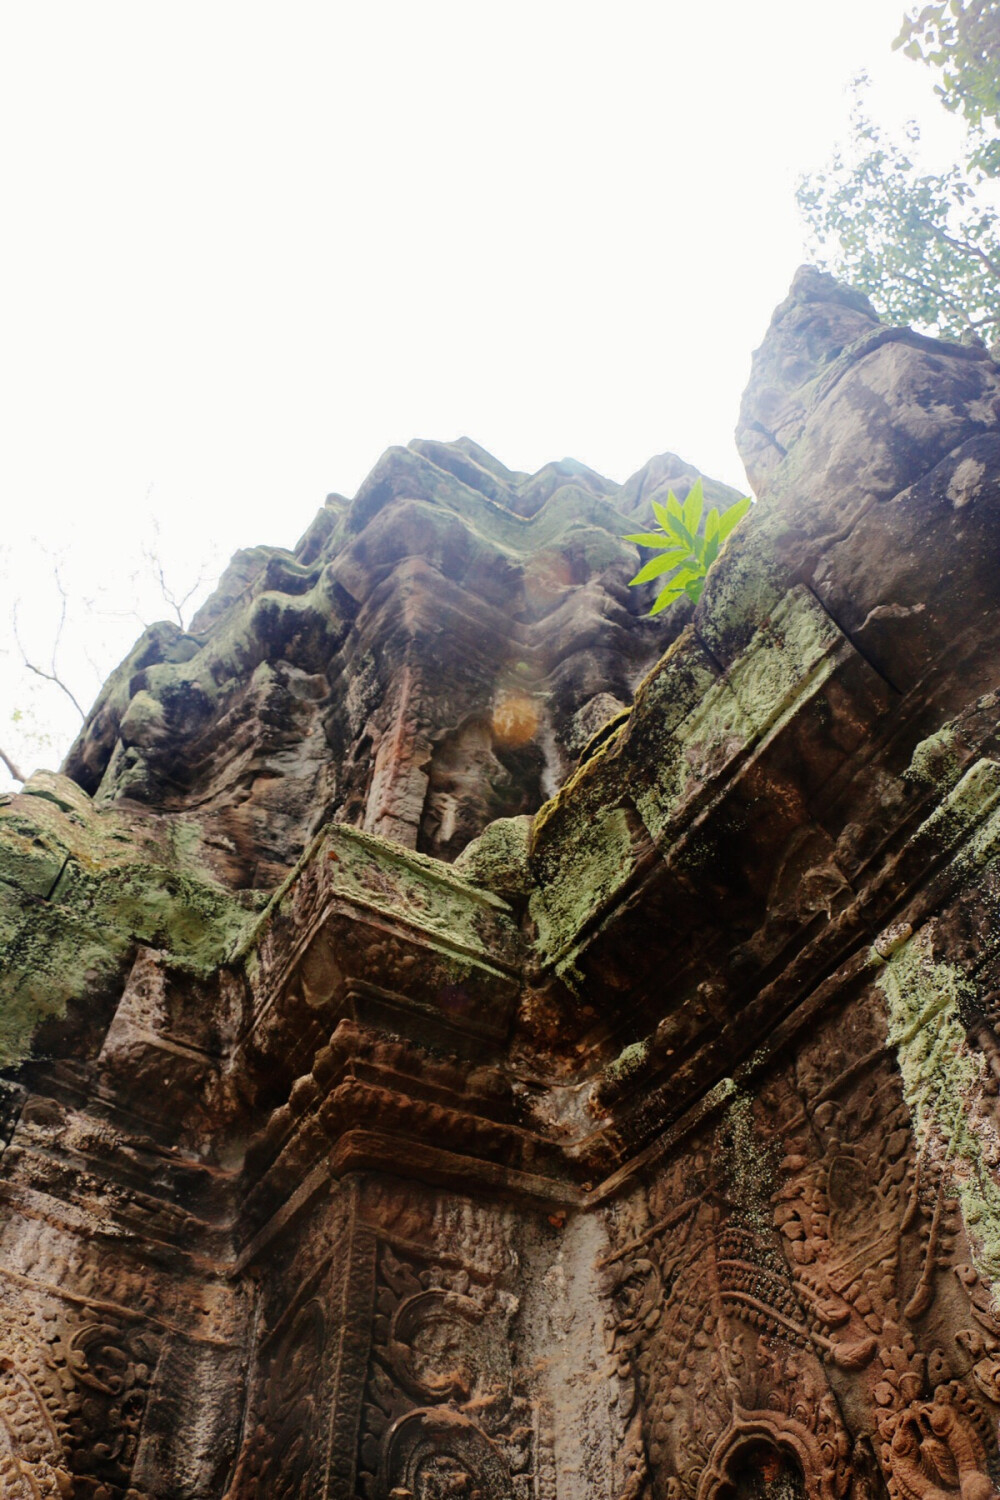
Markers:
{"x": 970, "y": 813}
{"x": 403, "y": 475}
{"x": 171, "y": 684}
{"x": 687, "y": 729}
{"x": 784, "y": 656}
{"x": 144, "y": 721}
{"x": 382, "y": 875}
{"x": 378, "y": 875}
{"x": 787, "y": 661}
{"x": 599, "y": 857}
{"x": 50, "y": 959}
{"x": 80, "y": 887}
{"x": 744, "y": 587}
{"x": 626, "y": 1070}
{"x": 498, "y": 858}
{"x": 610, "y": 730}
{"x": 31, "y": 859}
{"x": 747, "y": 1165}
{"x": 936, "y": 761}
{"x": 193, "y": 921}
{"x": 943, "y": 1082}
{"x": 60, "y": 791}
{"x": 669, "y": 692}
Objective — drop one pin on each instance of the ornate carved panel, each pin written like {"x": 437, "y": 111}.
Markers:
{"x": 310, "y": 1363}
{"x": 800, "y": 1280}
{"x": 74, "y": 1385}
{"x": 445, "y": 1412}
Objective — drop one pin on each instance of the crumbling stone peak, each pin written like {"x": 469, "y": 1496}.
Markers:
{"x": 432, "y": 656}
{"x": 378, "y": 1128}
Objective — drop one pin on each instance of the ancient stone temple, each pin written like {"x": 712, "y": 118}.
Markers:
{"x": 466, "y": 1040}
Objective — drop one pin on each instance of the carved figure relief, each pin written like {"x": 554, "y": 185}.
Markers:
{"x": 874, "y": 1230}
{"x": 443, "y": 1413}
{"x": 749, "y": 1313}
{"x": 74, "y": 1384}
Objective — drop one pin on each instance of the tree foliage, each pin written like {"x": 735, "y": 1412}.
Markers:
{"x": 925, "y": 247}
{"x": 961, "y": 38}
{"x": 687, "y": 550}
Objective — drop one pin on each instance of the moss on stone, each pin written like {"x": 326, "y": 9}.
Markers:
{"x": 687, "y": 727}
{"x": 381, "y": 876}
{"x": 599, "y": 856}
{"x": 936, "y": 761}
{"x": 663, "y": 699}
{"x": 271, "y": 607}
{"x": 498, "y": 858}
{"x": 969, "y": 812}
{"x": 80, "y": 887}
{"x": 748, "y": 1165}
{"x": 745, "y": 585}
{"x": 609, "y": 730}
{"x": 144, "y": 721}
{"x": 943, "y": 1082}
{"x": 629, "y": 1063}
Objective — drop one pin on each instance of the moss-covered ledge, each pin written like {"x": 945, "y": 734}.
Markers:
{"x": 81, "y": 887}
{"x": 691, "y": 734}
{"x": 363, "y": 921}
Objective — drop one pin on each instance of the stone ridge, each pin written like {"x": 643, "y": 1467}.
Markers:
{"x": 431, "y": 656}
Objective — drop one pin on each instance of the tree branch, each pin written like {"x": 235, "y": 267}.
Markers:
{"x": 963, "y": 246}
{"x": 154, "y": 562}
{"x": 52, "y": 676}
{"x": 12, "y": 769}
{"x": 922, "y": 285}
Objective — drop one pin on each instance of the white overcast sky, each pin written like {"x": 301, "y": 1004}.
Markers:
{"x": 247, "y": 247}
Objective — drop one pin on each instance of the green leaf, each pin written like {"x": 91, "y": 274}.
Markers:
{"x": 672, "y": 520}
{"x": 666, "y": 518}
{"x": 680, "y": 584}
{"x": 693, "y": 507}
{"x": 658, "y": 565}
{"x": 681, "y": 580}
{"x": 732, "y": 517}
{"x": 667, "y": 596}
{"x": 712, "y": 524}
{"x": 711, "y": 552}
{"x": 648, "y": 538}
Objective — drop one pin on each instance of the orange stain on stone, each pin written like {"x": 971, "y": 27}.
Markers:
{"x": 515, "y": 721}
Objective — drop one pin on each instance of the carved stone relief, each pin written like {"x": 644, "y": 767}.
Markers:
{"x": 799, "y": 1296}
{"x": 648, "y": 1152}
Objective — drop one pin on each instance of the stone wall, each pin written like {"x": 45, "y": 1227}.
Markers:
{"x": 644, "y": 1146}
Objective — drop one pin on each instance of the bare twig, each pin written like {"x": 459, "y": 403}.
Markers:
{"x": 12, "y": 769}
{"x": 53, "y": 675}
{"x": 155, "y": 564}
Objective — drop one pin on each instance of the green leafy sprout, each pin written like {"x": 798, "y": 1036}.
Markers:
{"x": 685, "y": 549}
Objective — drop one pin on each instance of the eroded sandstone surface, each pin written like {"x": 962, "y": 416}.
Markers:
{"x": 463, "y": 1038}
{"x": 433, "y": 655}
